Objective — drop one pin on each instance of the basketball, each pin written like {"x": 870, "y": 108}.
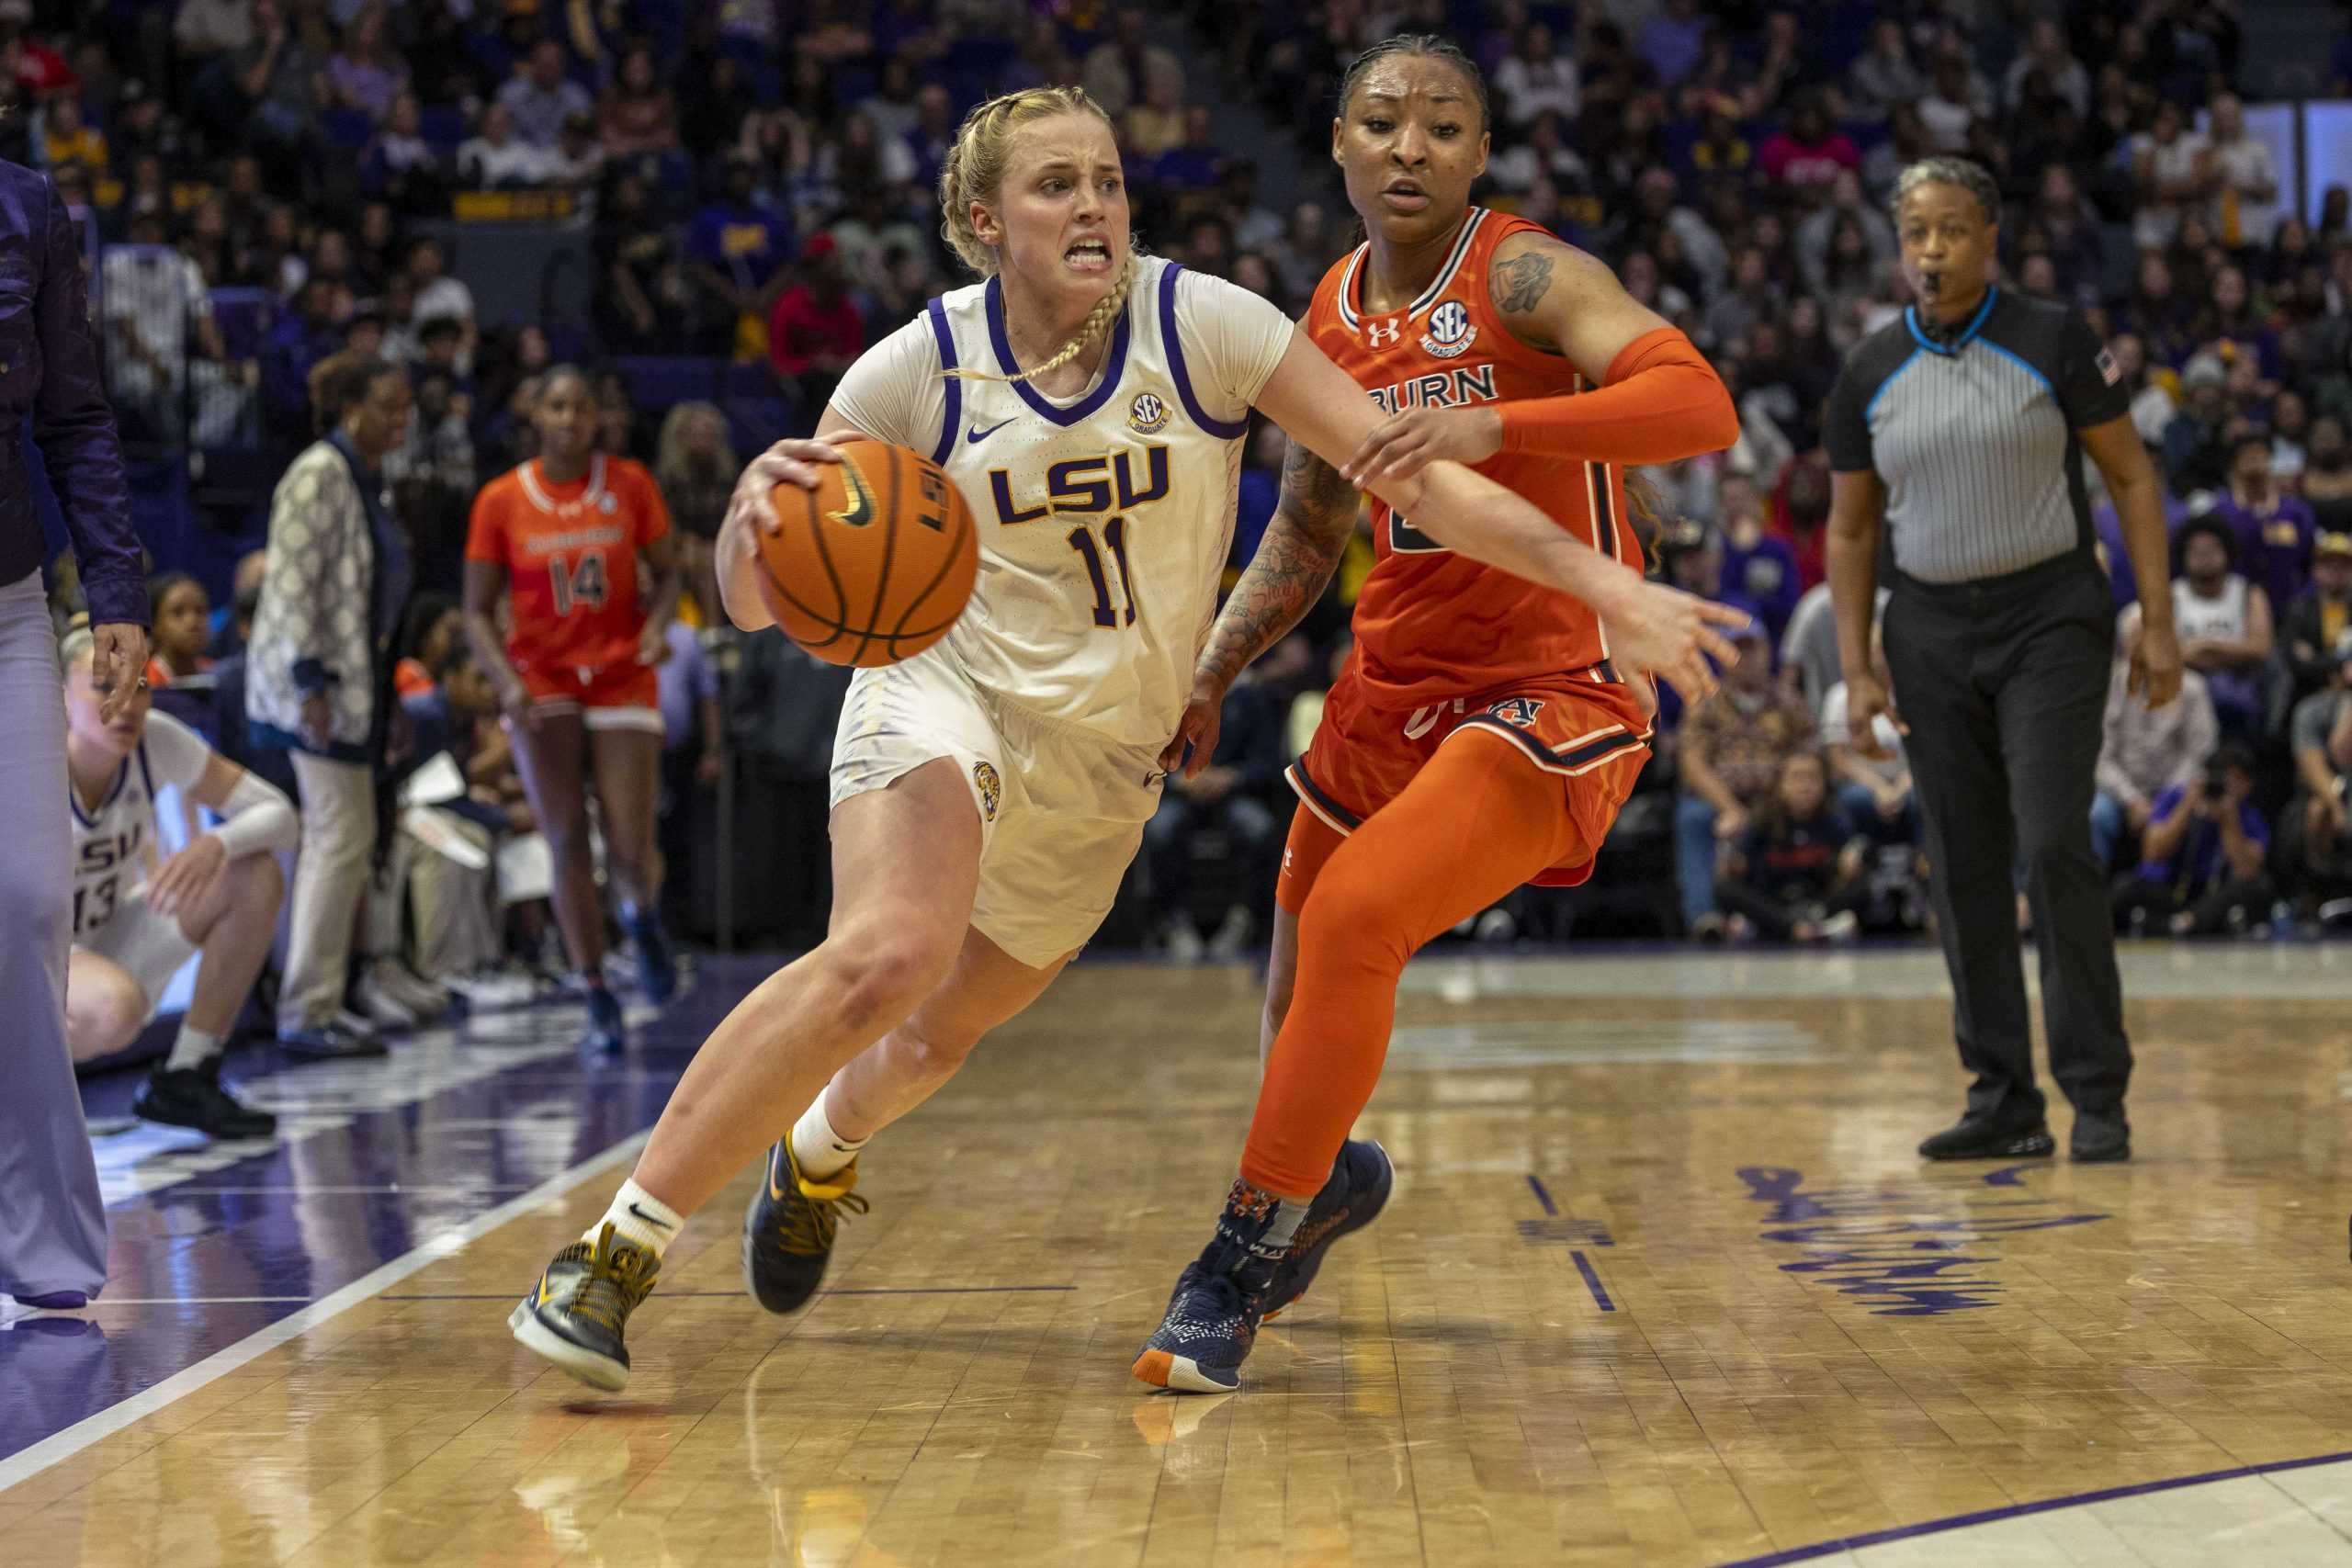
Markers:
{"x": 874, "y": 564}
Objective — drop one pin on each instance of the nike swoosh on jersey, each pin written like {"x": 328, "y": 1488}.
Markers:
{"x": 975, "y": 433}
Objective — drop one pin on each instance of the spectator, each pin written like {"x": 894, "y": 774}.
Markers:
{"x": 2245, "y": 182}
{"x": 815, "y": 332}
{"x": 1817, "y": 235}
{"x": 314, "y": 673}
{"x": 578, "y": 161}
{"x": 1956, "y": 101}
{"x": 275, "y": 78}
{"x": 2317, "y": 627}
{"x": 67, "y": 141}
{"x": 642, "y": 304}
{"x": 739, "y": 257}
{"x": 1196, "y": 165}
{"x": 438, "y": 294}
{"x": 1670, "y": 45}
{"x": 1806, "y": 159}
{"x": 1797, "y": 874}
{"x": 1874, "y": 792}
{"x": 638, "y": 114}
{"x": 2325, "y": 482}
{"x": 2171, "y": 173}
{"x": 2272, "y": 530}
{"x": 368, "y": 74}
{"x": 1885, "y": 76}
{"x": 433, "y": 475}
{"x": 2195, "y": 455}
{"x": 1759, "y": 567}
{"x": 1731, "y": 749}
{"x": 1750, "y": 299}
{"x": 400, "y": 166}
{"x": 206, "y": 30}
{"x": 498, "y": 159}
{"x": 301, "y": 338}
{"x": 1154, "y": 125}
{"x": 540, "y": 99}
{"x": 158, "y": 319}
{"x": 1544, "y": 154}
{"x": 2144, "y": 751}
{"x": 433, "y": 626}
{"x": 441, "y": 867}
{"x": 876, "y": 229}
{"x": 2223, "y": 620}
{"x": 182, "y": 637}
{"x": 1119, "y": 71}
{"x": 1230, "y": 798}
{"x": 2047, "y": 57}
{"x": 696, "y": 471}
{"x": 1537, "y": 79}
{"x": 2201, "y": 862}
{"x": 2317, "y": 852}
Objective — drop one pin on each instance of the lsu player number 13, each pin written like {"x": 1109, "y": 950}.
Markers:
{"x": 1105, "y": 520}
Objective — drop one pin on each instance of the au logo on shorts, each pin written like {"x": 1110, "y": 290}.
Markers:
{"x": 1518, "y": 711}
{"x": 984, "y": 779}
{"x": 1450, "y": 329}
{"x": 1146, "y": 414}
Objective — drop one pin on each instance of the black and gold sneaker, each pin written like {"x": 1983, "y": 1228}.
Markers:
{"x": 788, "y": 1229}
{"x": 575, "y": 1315}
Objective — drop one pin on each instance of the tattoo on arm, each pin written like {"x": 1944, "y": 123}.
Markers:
{"x": 1524, "y": 279}
{"x": 1294, "y": 564}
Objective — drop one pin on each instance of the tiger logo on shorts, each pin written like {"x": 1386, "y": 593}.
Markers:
{"x": 984, "y": 779}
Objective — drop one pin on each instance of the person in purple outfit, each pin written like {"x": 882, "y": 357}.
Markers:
{"x": 52, "y": 1224}
{"x": 1758, "y": 567}
{"x": 2273, "y": 529}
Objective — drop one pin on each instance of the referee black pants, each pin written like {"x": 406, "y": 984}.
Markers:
{"x": 2003, "y": 683}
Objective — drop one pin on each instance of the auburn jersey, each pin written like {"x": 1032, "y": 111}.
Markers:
{"x": 1430, "y": 623}
{"x": 570, "y": 552}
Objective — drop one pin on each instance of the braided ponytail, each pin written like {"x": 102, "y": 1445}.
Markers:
{"x": 974, "y": 170}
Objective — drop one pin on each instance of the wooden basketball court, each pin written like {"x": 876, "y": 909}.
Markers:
{"x": 1663, "y": 1284}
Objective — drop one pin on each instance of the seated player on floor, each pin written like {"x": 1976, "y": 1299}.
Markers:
{"x": 138, "y": 916}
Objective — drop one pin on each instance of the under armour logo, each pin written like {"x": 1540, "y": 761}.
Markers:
{"x": 1376, "y": 334}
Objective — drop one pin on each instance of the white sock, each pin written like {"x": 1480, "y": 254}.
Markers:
{"x": 641, "y": 1217}
{"x": 193, "y": 1048}
{"x": 820, "y": 1151}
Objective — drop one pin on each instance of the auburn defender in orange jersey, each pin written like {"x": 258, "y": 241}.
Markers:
{"x": 1481, "y": 734}
{"x": 561, "y": 535}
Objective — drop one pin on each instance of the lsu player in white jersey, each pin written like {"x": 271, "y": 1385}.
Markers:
{"x": 1091, "y": 404}
{"x": 138, "y": 916}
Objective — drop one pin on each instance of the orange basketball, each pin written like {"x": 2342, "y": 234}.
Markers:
{"x": 874, "y": 564}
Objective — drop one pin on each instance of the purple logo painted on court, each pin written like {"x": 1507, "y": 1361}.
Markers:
{"x": 1908, "y": 1249}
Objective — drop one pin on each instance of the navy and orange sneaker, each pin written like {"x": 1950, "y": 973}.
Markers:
{"x": 788, "y": 1229}
{"x": 1212, "y": 1319}
{"x": 1362, "y": 1179}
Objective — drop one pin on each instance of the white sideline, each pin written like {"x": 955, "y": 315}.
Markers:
{"x": 64, "y": 1445}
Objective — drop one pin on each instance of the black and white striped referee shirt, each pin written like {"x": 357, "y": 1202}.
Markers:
{"x": 1973, "y": 434}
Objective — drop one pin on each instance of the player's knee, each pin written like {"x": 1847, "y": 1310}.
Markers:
{"x": 881, "y": 976}
{"x": 933, "y": 1054}
{"x": 105, "y": 1010}
{"x": 1359, "y": 917}
{"x": 256, "y": 888}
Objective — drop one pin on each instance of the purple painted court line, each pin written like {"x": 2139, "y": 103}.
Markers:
{"x": 2022, "y": 1510}
{"x": 1543, "y": 1195}
{"x": 1593, "y": 1280}
{"x": 730, "y": 1295}
{"x": 370, "y": 1171}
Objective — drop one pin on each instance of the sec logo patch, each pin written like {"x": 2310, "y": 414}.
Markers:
{"x": 1450, "y": 329}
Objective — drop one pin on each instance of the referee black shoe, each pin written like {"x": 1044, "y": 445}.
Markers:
{"x": 2099, "y": 1140}
{"x": 1973, "y": 1138}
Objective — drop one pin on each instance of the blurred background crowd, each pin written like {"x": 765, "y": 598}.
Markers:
{"x": 716, "y": 204}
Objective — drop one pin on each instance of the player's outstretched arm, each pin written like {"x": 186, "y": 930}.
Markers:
{"x": 1653, "y": 398}
{"x": 1653, "y": 627}
{"x": 1294, "y": 563}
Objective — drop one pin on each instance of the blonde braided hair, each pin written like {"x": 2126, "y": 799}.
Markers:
{"x": 974, "y": 171}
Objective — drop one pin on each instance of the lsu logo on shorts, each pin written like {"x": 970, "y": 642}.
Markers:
{"x": 991, "y": 790}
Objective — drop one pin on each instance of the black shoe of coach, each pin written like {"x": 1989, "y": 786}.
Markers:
{"x": 1971, "y": 1138}
{"x": 2099, "y": 1140}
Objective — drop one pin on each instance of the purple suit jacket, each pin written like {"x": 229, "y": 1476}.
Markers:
{"x": 49, "y": 369}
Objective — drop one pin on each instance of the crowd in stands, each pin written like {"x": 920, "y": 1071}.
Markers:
{"x": 752, "y": 180}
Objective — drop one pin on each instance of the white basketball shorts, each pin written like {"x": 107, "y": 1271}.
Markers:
{"x": 151, "y": 947}
{"x": 1061, "y": 809}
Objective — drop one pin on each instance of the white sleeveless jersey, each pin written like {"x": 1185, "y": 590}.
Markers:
{"x": 1105, "y": 519}
{"x": 2223, "y": 618}
{"x": 115, "y": 847}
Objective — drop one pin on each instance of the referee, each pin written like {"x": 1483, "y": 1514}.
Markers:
{"x": 1962, "y": 427}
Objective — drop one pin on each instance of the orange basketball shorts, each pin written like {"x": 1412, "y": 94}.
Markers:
{"x": 1585, "y": 725}
{"x": 615, "y": 696}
